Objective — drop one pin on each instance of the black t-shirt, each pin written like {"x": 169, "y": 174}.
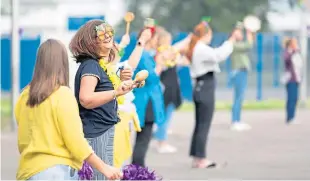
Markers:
{"x": 98, "y": 120}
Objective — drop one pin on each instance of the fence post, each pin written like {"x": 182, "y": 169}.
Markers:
{"x": 15, "y": 60}
{"x": 228, "y": 73}
{"x": 276, "y": 60}
{"x": 259, "y": 66}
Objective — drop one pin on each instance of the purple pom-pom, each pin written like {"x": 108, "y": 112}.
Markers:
{"x": 136, "y": 172}
{"x": 86, "y": 173}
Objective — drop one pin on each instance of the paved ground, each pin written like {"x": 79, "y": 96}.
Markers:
{"x": 271, "y": 150}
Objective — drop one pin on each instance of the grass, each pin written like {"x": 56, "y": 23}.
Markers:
{"x": 186, "y": 107}
{"x": 248, "y": 105}
{"x": 5, "y": 110}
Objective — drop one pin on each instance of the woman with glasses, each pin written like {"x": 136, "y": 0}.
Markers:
{"x": 98, "y": 89}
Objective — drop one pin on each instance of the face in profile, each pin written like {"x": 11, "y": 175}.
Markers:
{"x": 154, "y": 42}
{"x": 294, "y": 44}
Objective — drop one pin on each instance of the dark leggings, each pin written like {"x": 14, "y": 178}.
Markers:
{"x": 204, "y": 99}
{"x": 143, "y": 138}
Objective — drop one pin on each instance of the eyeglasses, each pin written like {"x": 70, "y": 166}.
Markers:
{"x": 105, "y": 32}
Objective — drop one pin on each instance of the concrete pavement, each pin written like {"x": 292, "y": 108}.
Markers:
{"x": 271, "y": 150}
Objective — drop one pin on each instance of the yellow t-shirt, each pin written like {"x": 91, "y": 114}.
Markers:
{"x": 50, "y": 133}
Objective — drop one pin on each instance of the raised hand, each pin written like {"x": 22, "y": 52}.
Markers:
{"x": 125, "y": 41}
{"x": 146, "y": 35}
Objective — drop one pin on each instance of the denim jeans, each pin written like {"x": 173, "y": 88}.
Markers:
{"x": 161, "y": 131}
{"x": 240, "y": 79}
{"x": 57, "y": 172}
{"x": 292, "y": 99}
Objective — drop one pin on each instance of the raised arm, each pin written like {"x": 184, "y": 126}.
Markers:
{"x": 241, "y": 46}
{"x": 135, "y": 56}
{"x": 182, "y": 45}
{"x": 206, "y": 53}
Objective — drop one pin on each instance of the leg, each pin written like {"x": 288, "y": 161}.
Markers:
{"x": 142, "y": 143}
{"x": 295, "y": 92}
{"x": 201, "y": 132}
{"x": 243, "y": 86}
{"x": 161, "y": 132}
{"x": 236, "y": 103}
{"x": 290, "y": 102}
{"x": 240, "y": 85}
{"x": 204, "y": 109}
{"x": 103, "y": 147}
{"x": 194, "y": 136}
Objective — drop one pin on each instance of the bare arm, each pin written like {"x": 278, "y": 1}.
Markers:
{"x": 135, "y": 56}
{"x": 91, "y": 99}
{"x": 110, "y": 172}
{"x": 181, "y": 45}
{"x": 207, "y": 53}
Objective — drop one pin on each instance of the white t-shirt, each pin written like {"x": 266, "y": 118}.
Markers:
{"x": 206, "y": 59}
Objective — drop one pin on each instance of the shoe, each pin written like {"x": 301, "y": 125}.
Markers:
{"x": 166, "y": 148}
{"x": 293, "y": 122}
{"x": 207, "y": 164}
{"x": 240, "y": 127}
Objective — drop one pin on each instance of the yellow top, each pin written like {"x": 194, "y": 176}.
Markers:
{"x": 122, "y": 137}
{"x": 50, "y": 133}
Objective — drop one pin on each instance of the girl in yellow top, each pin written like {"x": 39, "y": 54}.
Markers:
{"x": 50, "y": 136}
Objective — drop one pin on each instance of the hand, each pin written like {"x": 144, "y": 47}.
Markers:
{"x": 113, "y": 173}
{"x": 232, "y": 37}
{"x": 125, "y": 87}
{"x": 250, "y": 36}
{"x": 125, "y": 41}
{"x": 126, "y": 74}
{"x": 146, "y": 35}
{"x": 139, "y": 84}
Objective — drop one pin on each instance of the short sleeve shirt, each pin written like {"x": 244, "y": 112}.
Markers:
{"x": 98, "y": 120}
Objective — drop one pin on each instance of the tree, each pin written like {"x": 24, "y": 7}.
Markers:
{"x": 183, "y": 15}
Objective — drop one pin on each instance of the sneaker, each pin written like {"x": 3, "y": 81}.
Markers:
{"x": 240, "y": 127}
{"x": 166, "y": 148}
{"x": 293, "y": 122}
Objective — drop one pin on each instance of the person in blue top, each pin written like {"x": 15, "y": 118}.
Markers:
{"x": 148, "y": 100}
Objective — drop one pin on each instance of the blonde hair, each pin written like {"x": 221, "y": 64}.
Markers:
{"x": 163, "y": 35}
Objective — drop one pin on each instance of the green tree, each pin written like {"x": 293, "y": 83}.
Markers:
{"x": 183, "y": 15}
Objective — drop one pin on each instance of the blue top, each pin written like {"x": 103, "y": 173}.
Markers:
{"x": 98, "y": 120}
{"x": 151, "y": 91}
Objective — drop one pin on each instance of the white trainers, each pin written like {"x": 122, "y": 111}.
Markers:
{"x": 294, "y": 122}
{"x": 240, "y": 127}
{"x": 166, "y": 148}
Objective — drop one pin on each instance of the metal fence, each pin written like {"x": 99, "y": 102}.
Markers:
{"x": 266, "y": 56}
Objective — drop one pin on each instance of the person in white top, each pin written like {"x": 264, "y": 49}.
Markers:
{"x": 204, "y": 64}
